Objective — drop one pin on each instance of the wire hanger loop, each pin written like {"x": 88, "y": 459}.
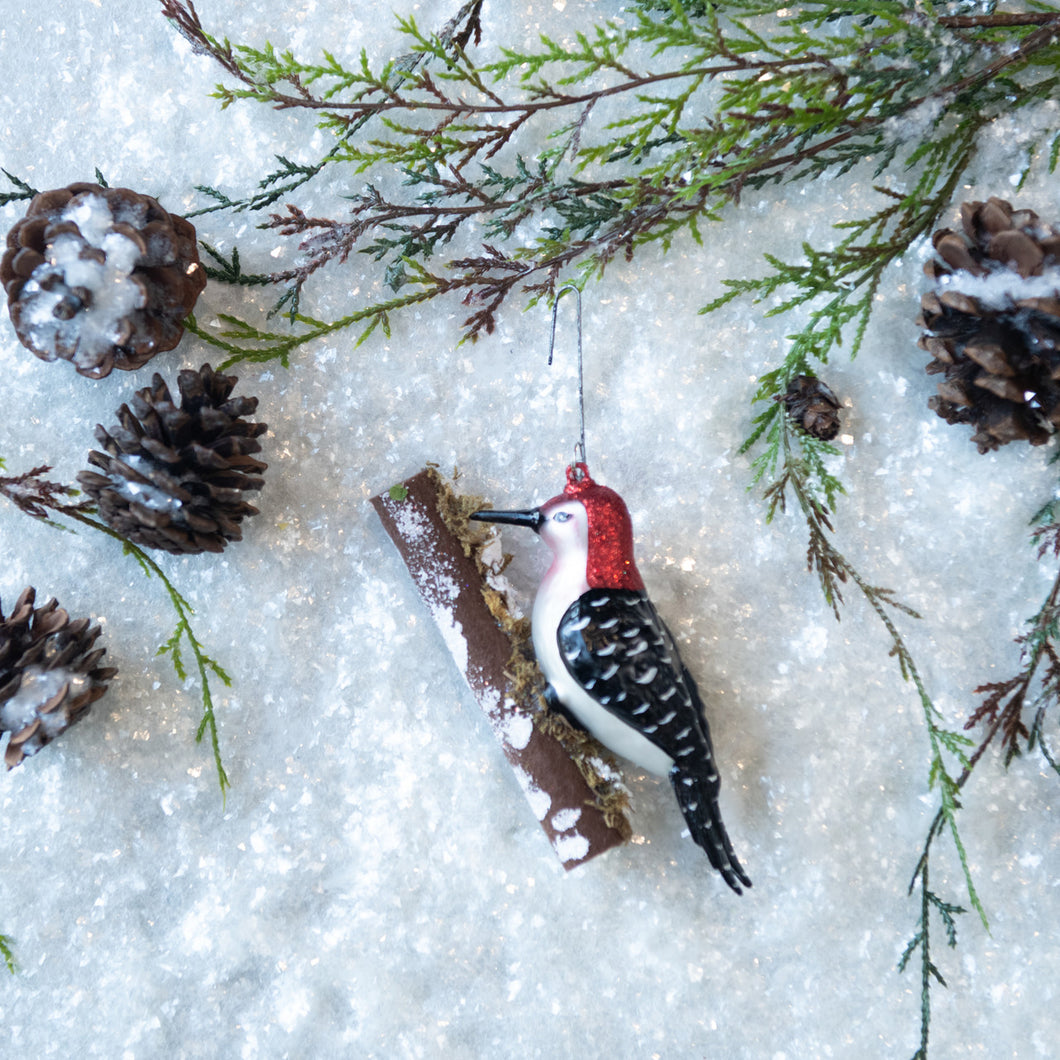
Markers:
{"x": 579, "y": 449}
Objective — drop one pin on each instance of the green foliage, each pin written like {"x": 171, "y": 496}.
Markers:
{"x": 1035, "y": 692}
{"x": 801, "y": 475}
{"x": 8, "y": 953}
{"x": 270, "y": 189}
{"x": 22, "y": 190}
{"x": 204, "y": 664}
{"x": 834, "y": 569}
{"x": 921, "y": 941}
{"x": 652, "y": 125}
{"x": 229, "y": 270}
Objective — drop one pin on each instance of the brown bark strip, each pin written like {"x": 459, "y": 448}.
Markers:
{"x": 451, "y": 587}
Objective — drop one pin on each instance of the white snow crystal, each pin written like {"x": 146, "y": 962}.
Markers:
{"x": 811, "y": 643}
{"x": 145, "y": 493}
{"x": 571, "y": 847}
{"x": 518, "y": 728}
{"x": 112, "y": 293}
{"x": 1003, "y": 288}
{"x": 452, "y": 633}
{"x": 540, "y": 801}
{"x": 434, "y": 579}
{"x": 565, "y": 820}
{"x": 912, "y": 126}
{"x": 37, "y": 687}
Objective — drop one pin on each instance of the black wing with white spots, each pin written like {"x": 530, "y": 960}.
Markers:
{"x": 619, "y": 650}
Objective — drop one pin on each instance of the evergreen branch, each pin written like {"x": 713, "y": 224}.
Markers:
{"x": 290, "y": 176}
{"x": 229, "y": 270}
{"x": 998, "y": 19}
{"x": 203, "y": 662}
{"x": 22, "y": 190}
{"x": 186, "y": 21}
{"x": 1037, "y": 738}
{"x": 243, "y": 341}
{"x": 945, "y": 816}
{"x": 833, "y": 568}
{"x": 1002, "y": 711}
{"x": 271, "y": 188}
{"x": 921, "y": 941}
{"x": 8, "y": 953}
{"x": 839, "y": 287}
{"x": 788, "y": 105}
{"x": 836, "y": 289}
{"x": 1005, "y": 702}
{"x": 36, "y": 496}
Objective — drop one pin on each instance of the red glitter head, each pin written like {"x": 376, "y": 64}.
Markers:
{"x": 610, "y": 564}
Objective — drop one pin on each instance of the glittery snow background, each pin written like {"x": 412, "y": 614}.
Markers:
{"x": 376, "y": 884}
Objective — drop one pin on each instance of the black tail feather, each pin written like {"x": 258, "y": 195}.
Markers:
{"x": 698, "y": 799}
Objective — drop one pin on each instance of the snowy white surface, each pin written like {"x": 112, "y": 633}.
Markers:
{"x": 375, "y": 885}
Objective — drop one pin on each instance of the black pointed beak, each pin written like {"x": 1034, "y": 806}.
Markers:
{"x": 530, "y": 517}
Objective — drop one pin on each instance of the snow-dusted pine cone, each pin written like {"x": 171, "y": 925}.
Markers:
{"x": 49, "y": 674}
{"x": 100, "y": 277}
{"x": 174, "y": 477}
{"x": 993, "y": 324}
{"x": 813, "y": 406}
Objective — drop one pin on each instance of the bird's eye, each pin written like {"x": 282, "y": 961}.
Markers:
{"x": 561, "y": 517}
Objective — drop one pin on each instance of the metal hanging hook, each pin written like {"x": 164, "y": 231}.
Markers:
{"x": 579, "y": 449}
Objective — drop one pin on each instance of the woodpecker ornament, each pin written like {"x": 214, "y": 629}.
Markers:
{"x": 609, "y": 660}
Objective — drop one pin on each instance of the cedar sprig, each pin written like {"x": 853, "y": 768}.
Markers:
{"x": 270, "y": 189}
{"x": 22, "y": 190}
{"x": 1035, "y": 692}
{"x": 1002, "y": 714}
{"x": 834, "y": 290}
{"x": 833, "y": 568}
{"x": 921, "y": 941}
{"x": 36, "y": 495}
{"x": 651, "y": 127}
{"x": 253, "y": 68}
{"x": 230, "y": 269}
{"x": 950, "y": 764}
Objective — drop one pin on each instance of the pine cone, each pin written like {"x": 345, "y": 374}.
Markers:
{"x": 813, "y": 406}
{"x": 101, "y": 277}
{"x": 49, "y": 674}
{"x": 993, "y": 324}
{"x": 173, "y": 478}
